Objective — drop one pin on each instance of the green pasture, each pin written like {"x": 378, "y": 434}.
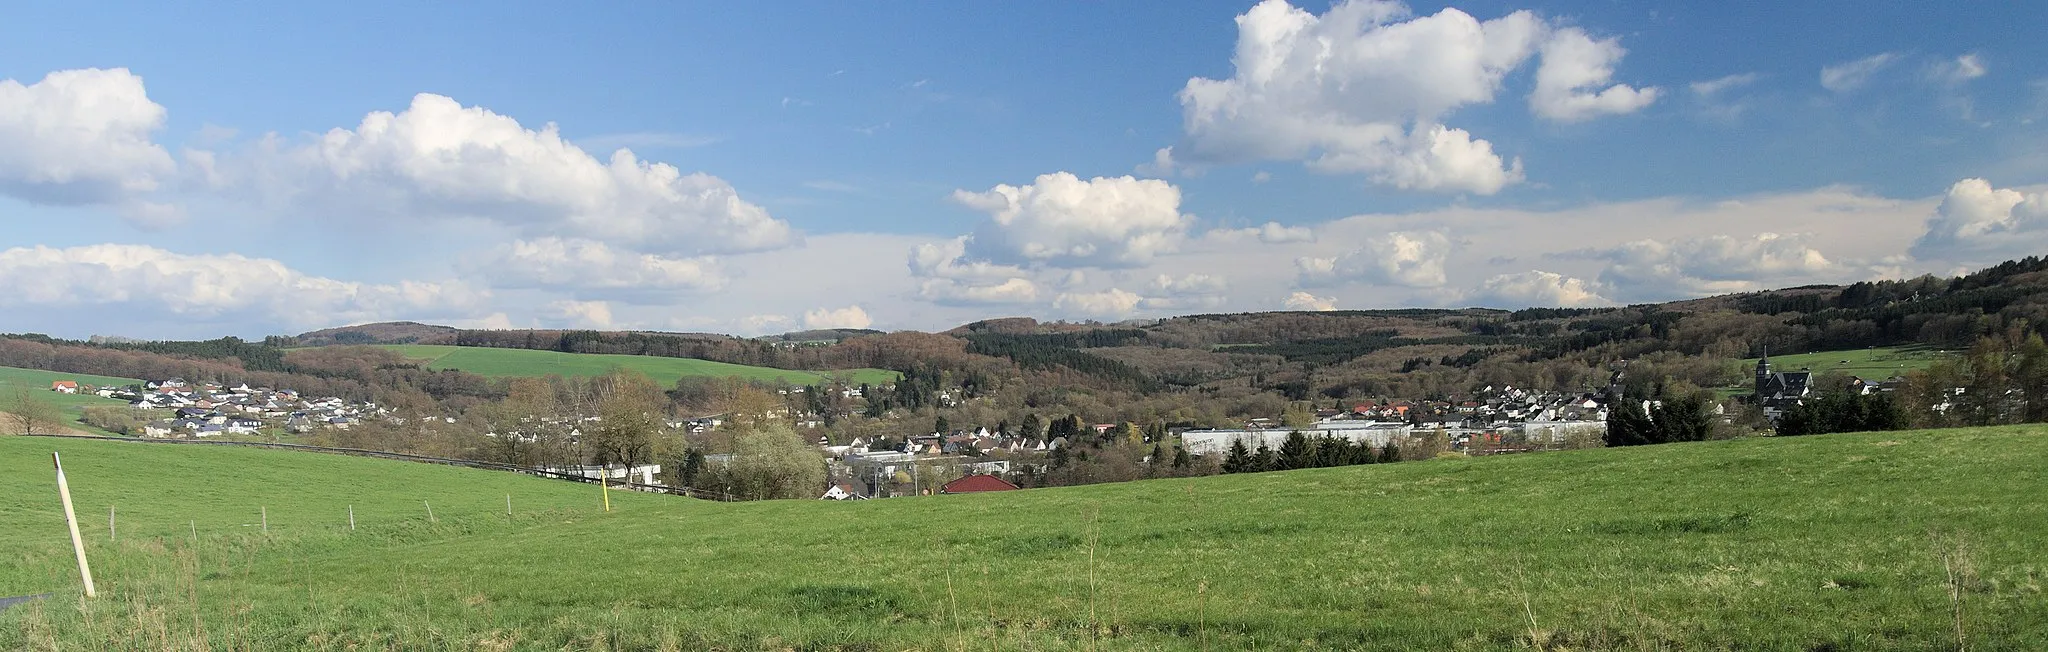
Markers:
{"x": 1844, "y": 542}
{"x": 71, "y": 405}
{"x": 1873, "y": 363}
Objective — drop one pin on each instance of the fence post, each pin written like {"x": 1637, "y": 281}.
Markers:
{"x": 351, "y": 518}
{"x": 430, "y": 512}
{"x": 266, "y": 517}
{"x": 508, "y": 508}
{"x": 110, "y": 522}
{"x": 71, "y": 521}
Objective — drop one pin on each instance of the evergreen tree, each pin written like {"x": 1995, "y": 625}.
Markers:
{"x": 1264, "y": 459}
{"x": 1295, "y": 453}
{"x": 1033, "y": 427}
{"x": 1157, "y": 459}
{"x": 1239, "y": 459}
{"x": 1628, "y": 424}
{"x": 1390, "y": 452}
{"x": 942, "y": 426}
{"x": 1181, "y": 459}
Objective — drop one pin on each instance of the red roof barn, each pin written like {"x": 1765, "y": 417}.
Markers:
{"x": 976, "y": 484}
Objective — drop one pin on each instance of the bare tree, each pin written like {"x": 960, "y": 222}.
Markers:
{"x": 30, "y": 414}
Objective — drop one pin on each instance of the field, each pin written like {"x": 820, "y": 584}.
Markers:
{"x": 70, "y": 404}
{"x": 1837, "y": 542}
{"x": 505, "y": 363}
{"x": 1873, "y": 363}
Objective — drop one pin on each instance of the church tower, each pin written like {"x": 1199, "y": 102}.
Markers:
{"x": 1763, "y": 373}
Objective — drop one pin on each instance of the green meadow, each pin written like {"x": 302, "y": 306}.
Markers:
{"x": 1887, "y": 541}
{"x": 510, "y": 363}
{"x": 1873, "y": 363}
{"x": 71, "y": 405}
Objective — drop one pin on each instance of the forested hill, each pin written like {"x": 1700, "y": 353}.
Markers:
{"x": 1315, "y": 356}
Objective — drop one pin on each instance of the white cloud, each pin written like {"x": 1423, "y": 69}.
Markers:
{"x": 956, "y": 293}
{"x": 441, "y": 159}
{"x": 847, "y": 317}
{"x": 764, "y": 324}
{"x": 83, "y": 137}
{"x": 580, "y": 314}
{"x": 1305, "y": 301}
{"x": 1110, "y": 304}
{"x": 1269, "y": 233}
{"x": 590, "y": 267}
{"x": 141, "y": 280}
{"x": 1713, "y": 87}
{"x": 1061, "y": 220}
{"x": 1977, "y": 223}
{"x": 1535, "y": 288}
{"x": 1958, "y": 71}
{"x": 1659, "y": 270}
{"x": 1405, "y": 258}
{"x": 1192, "y": 284}
{"x": 1573, "y": 63}
{"x": 1364, "y": 89}
{"x": 947, "y": 260}
{"x": 1851, "y": 75}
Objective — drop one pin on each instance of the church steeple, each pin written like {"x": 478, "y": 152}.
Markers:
{"x": 1763, "y": 371}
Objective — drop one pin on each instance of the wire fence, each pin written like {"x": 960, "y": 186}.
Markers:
{"x": 690, "y": 492}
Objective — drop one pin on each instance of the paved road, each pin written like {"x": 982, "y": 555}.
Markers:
{"x": 9, "y": 602}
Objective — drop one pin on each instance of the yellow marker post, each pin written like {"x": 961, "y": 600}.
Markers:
{"x": 605, "y": 487}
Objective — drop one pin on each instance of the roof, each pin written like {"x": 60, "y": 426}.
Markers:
{"x": 977, "y": 484}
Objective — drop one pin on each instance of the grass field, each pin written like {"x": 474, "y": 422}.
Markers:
{"x": 1875, "y": 363}
{"x": 1836, "y": 542}
{"x": 505, "y": 363}
{"x": 69, "y": 404}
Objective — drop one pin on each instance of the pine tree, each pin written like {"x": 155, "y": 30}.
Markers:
{"x": 1264, "y": 459}
{"x": 1390, "y": 452}
{"x": 1239, "y": 460}
{"x": 1157, "y": 459}
{"x": 1295, "y": 453}
{"x": 1181, "y": 459}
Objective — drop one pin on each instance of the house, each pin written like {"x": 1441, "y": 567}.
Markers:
{"x": 977, "y": 484}
{"x": 1778, "y": 391}
{"x": 844, "y": 491}
{"x": 157, "y": 429}
{"x": 64, "y": 387}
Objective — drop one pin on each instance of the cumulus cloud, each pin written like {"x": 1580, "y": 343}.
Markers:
{"x": 1191, "y": 284}
{"x": 847, "y": 317}
{"x": 82, "y": 137}
{"x": 1976, "y": 222}
{"x": 1535, "y": 288}
{"x": 1851, "y": 75}
{"x": 1305, "y": 301}
{"x": 1405, "y": 258}
{"x": 947, "y": 260}
{"x": 1658, "y": 270}
{"x": 438, "y": 158}
{"x": 1364, "y": 88}
{"x": 591, "y": 267}
{"x": 1269, "y": 233}
{"x": 1108, "y": 304}
{"x": 1575, "y": 67}
{"x": 580, "y": 314}
{"x": 950, "y": 292}
{"x": 1061, "y": 220}
{"x": 206, "y": 287}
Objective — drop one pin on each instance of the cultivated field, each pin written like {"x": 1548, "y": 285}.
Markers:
{"x": 69, "y": 404}
{"x": 504, "y": 363}
{"x": 1864, "y": 542}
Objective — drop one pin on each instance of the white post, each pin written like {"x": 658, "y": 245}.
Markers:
{"x": 351, "y": 518}
{"x": 195, "y": 529}
{"x": 71, "y": 521}
{"x": 508, "y": 507}
{"x": 266, "y": 518}
{"x": 110, "y": 522}
{"x": 430, "y": 512}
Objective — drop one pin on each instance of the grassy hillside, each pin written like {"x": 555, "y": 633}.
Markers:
{"x": 69, "y": 404}
{"x": 500, "y": 363}
{"x": 1832, "y": 542}
{"x": 1876, "y": 363}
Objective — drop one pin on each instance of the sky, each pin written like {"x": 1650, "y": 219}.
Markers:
{"x": 176, "y": 172}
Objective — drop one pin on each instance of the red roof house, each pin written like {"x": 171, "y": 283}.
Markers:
{"x": 976, "y": 484}
{"x": 64, "y": 386}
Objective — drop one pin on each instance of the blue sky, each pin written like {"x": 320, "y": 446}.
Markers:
{"x": 1603, "y": 153}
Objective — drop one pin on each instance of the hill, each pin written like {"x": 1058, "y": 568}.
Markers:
{"x": 1830, "y": 542}
{"x": 394, "y": 332}
{"x": 506, "y": 363}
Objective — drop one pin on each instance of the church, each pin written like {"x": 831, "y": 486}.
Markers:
{"x": 1778, "y": 391}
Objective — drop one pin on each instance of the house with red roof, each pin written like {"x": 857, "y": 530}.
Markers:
{"x": 64, "y": 387}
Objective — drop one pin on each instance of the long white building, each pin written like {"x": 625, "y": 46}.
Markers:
{"x": 1371, "y": 433}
